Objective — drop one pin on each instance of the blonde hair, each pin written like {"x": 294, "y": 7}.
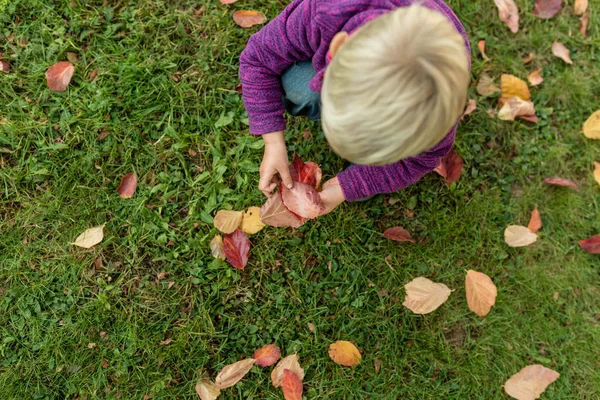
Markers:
{"x": 395, "y": 87}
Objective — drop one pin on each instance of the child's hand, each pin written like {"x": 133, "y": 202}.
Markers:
{"x": 275, "y": 160}
{"x": 331, "y": 195}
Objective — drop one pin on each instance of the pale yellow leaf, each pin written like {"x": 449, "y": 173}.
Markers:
{"x": 591, "y": 127}
{"x": 519, "y": 236}
{"x": 561, "y": 51}
{"x": 580, "y": 6}
{"x": 515, "y": 107}
{"x": 228, "y": 221}
{"x": 233, "y": 373}
{"x": 90, "y": 237}
{"x": 481, "y": 292}
{"x": 471, "y": 106}
{"x": 344, "y": 353}
{"x": 207, "y": 390}
{"x": 251, "y": 222}
{"x": 513, "y": 86}
{"x": 530, "y": 382}
{"x": 486, "y": 87}
{"x": 597, "y": 171}
{"x": 216, "y": 247}
{"x": 424, "y": 296}
{"x": 535, "y": 78}
{"x": 290, "y": 362}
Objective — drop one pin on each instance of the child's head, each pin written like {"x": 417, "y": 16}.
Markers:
{"x": 395, "y": 87}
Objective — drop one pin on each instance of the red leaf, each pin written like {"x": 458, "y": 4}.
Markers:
{"x": 303, "y": 200}
{"x": 591, "y": 245}
{"x": 59, "y": 75}
{"x": 561, "y": 182}
{"x": 399, "y": 234}
{"x": 450, "y": 167}
{"x": 308, "y": 172}
{"x": 291, "y": 385}
{"x": 267, "y": 355}
{"x": 128, "y": 185}
{"x": 535, "y": 223}
{"x": 236, "y": 246}
{"x": 4, "y": 66}
{"x": 274, "y": 213}
{"x": 546, "y": 8}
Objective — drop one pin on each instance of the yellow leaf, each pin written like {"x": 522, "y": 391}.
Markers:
{"x": 216, "y": 247}
{"x": 591, "y": 128}
{"x": 290, "y": 362}
{"x": 424, "y": 296}
{"x": 561, "y": 51}
{"x": 580, "y": 6}
{"x": 344, "y": 353}
{"x": 519, "y": 236}
{"x": 90, "y": 237}
{"x": 251, "y": 222}
{"x": 207, "y": 390}
{"x": 530, "y": 382}
{"x": 233, "y": 373}
{"x": 481, "y": 292}
{"x": 597, "y": 171}
{"x": 228, "y": 221}
{"x": 513, "y": 86}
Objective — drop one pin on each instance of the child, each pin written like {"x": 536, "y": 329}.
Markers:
{"x": 392, "y": 79}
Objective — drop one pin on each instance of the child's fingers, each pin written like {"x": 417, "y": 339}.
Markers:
{"x": 265, "y": 185}
{"x": 286, "y": 177}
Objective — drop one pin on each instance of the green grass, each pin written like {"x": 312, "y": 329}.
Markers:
{"x": 165, "y": 92}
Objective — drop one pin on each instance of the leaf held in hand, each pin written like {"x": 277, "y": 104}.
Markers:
{"x": 516, "y": 107}
{"x": 450, "y": 167}
{"x": 267, "y": 355}
{"x": 59, "y": 75}
{"x": 481, "y": 292}
{"x": 535, "y": 78}
{"x": 290, "y": 362}
{"x": 303, "y": 200}
{"x": 591, "y": 127}
{"x": 398, "y": 234}
{"x": 519, "y": 236}
{"x": 128, "y": 185}
{"x": 274, "y": 213}
{"x": 530, "y": 382}
{"x": 207, "y": 390}
{"x": 424, "y": 296}
{"x": 233, "y": 373}
{"x": 251, "y": 222}
{"x": 248, "y": 18}
{"x": 561, "y": 51}
{"x": 90, "y": 237}
{"x": 216, "y": 247}
{"x": 291, "y": 385}
{"x": 591, "y": 245}
{"x": 306, "y": 172}
{"x": 228, "y": 221}
{"x": 546, "y": 8}
{"x": 535, "y": 223}
{"x": 580, "y": 7}
{"x": 508, "y": 13}
{"x": 556, "y": 181}
{"x": 513, "y": 86}
{"x": 344, "y": 353}
{"x": 236, "y": 246}
{"x": 486, "y": 87}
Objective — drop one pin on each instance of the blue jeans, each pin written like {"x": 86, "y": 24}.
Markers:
{"x": 298, "y": 99}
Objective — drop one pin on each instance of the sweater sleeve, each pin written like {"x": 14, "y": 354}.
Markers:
{"x": 361, "y": 181}
{"x": 292, "y": 36}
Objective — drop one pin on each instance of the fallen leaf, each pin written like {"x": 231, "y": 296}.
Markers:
{"x": 481, "y": 46}
{"x": 251, "y": 222}
{"x": 584, "y": 20}
{"x": 508, "y": 13}
{"x": 519, "y": 236}
{"x": 105, "y": 364}
{"x": 306, "y": 172}
{"x": 166, "y": 342}
{"x": 555, "y": 296}
{"x": 233, "y": 373}
{"x": 236, "y": 246}
{"x": 94, "y": 74}
{"x": 302, "y": 200}
{"x": 90, "y": 237}
{"x": 398, "y": 234}
{"x": 580, "y": 7}
{"x": 228, "y": 221}
{"x": 535, "y": 78}
{"x": 128, "y": 185}
{"x": 311, "y": 327}
{"x": 227, "y": 1}
{"x": 591, "y": 127}
{"x": 216, "y": 247}
{"x": 485, "y": 86}
{"x": 528, "y": 59}
{"x": 546, "y": 8}
{"x": 513, "y": 86}
{"x": 377, "y": 364}
{"x": 535, "y": 223}
{"x": 103, "y": 135}
{"x": 344, "y": 353}
{"x": 290, "y": 362}
{"x": 267, "y": 355}
{"x": 170, "y": 285}
{"x": 207, "y": 390}
{"x": 424, "y": 296}
{"x": 248, "y": 18}
{"x": 556, "y": 181}
{"x": 72, "y": 57}
{"x": 291, "y": 385}
{"x": 516, "y": 107}
{"x": 97, "y": 263}
{"x": 471, "y": 106}
{"x": 162, "y": 275}
{"x": 597, "y": 171}
{"x": 59, "y": 75}
{"x": 591, "y": 245}
{"x": 530, "y": 382}
{"x": 274, "y": 213}
{"x": 4, "y": 66}
{"x": 306, "y": 135}
{"x": 450, "y": 167}
{"x": 560, "y": 51}
{"x": 481, "y": 292}
{"x": 91, "y": 345}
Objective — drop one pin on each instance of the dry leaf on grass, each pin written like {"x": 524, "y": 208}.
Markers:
{"x": 597, "y": 171}
{"x": 90, "y": 237}
{"x": 228, "y": 221}
{"x": 302, "y": 200}
{"x": 535, "y": 223}
{"x": 450, "y": 167}
{"x": 481, "y": 292}
{"x": 546, "y": 8}
{"x": 530, "y": 382}
{"x": 561, "y": 51}
{"x": 424, "y": 296}
{"x": 584, "y": 20}
{"x": 528, "y": 59}
{"x": 4, "y": 66}
{"x": 556, "y": 181}
{"x": 591, "y": 245}
{"x": 274, "y": 213}
{"x": 535, "y": 78}
{"x": 233, "y": 373}
{"x": 128, "y": 185}
{"x": 486, "y": 87}
{"x": 481, "y": 46}
{"x": 516, "y": 107}
{"x": 59, "y": 75}
{"x": 227, "y": 1}
{"x": 267, "y": 355}
{"x": 291, "y": 384}
{"x": 508, "y": 13}
{"x": 398, "y": 234}
{"x": 248, "y": 18}
{"x": 290, "y": 362}
{"x": 216, "y": 247}
{"x": 519, "y": 236}
{"x": 251, "y": 222}
{"x": 591, "y": 127}
{"x": 94, "y": 74}
{"x": 513, "y": 86}
{"x": 72, "y": 57}
{"x": 471, "y": 106}
{"x": 207, "y": 390}
{"x": 344, "y": 353}
{"x": 236, "y": 246}
{"x": 580, "y": 7}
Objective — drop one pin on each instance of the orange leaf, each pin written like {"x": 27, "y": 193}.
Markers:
{"x": 128, "y": 185}
{"x": 267, "y": 355}
{"x": 481, "y": 46}
{"x": 546, "y": 8}
{"x": 556, "y": 181}
{"x": 94, "y": 74}
{"x": 530, "y": 382}
{"x": 535, "y": 78}
{"x": 508, "y": 13}
{"x": 580, "y": 7}
{"x": 450, "y": 167}
{"x": 481, "y": 292}
{"x": 59, "y": 75}
{"x": 424, "y": 296}
{"x": 486, "y": 87}
{"x": 398, "y": 234}
{"x": 233, "y": 373}
{"x": 291, "y": 385}
{"x": 591, "y": 245}
{"x": 528, "y": 59}
{"x": 236, "y": 246}
{"x": 290, "y": 362}
{"x": 344, "y": 353}
{"x": 519, "y": 236}
{"x": 560, "y": 51}
{"x": 513, "y": 86}
{"x": 535, "y": 223}
{"x": 248, "y": 18}
{"x": 228, "y": 221}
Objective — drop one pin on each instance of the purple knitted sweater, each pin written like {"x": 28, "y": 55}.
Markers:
{"x": 303, "y": 31}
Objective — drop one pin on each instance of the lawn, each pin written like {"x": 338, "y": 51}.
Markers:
{"x": 165, "y": 94}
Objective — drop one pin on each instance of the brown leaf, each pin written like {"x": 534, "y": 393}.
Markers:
{"x": 94, "y": 74}
{"x": 591, "y": 127}
{"x": 377, "y": 364}
{"x": 302, "y": 200}
{"x": 290, "y": 362}
{"x": 560, "y": 51}
{"x": 90, "y": 237}
{"x": 233, "y": 373}
{"x": 398, "y": 234}
{"x": 535, "y": 78}
{"x": 528, "y": 59}
{"x": 105, "y": 364}
{"x": 103, "y": 135}
{"x": 97, "y": 263}
{"x": 72, "y": 57}
{"x": 344, "y": 353}
{"x": 546, "y": 8}
{"x": 508, "y": 13}
{"x": 481, "y": 292}
{"x": 424, "y": 296}
{"x": 248, "y": 18}
{"x": 591, "y": 245}
{"x": 471, "y": 106}
{"x": 311, "y": 327}
{"x": 207, "y": 390}
{"x": 580, "y": 7}
{"x": 556, "y": 181}
{"x": 555, "y": 296}
{"x": 267, "y": 355}
{"x": 513, "y": 86}
{"x": 535, "y": 223}
{"x": 166, "y": 342}
{"x": 4, "y": 66}
{"x": 228, "y": 221}
{"x": 519, "y": 236}
{"x": 485, "y": 86}
{"x": 450, "y": 167}
{"x": 128, "y": 185}
{"x": 59, "y": 75}
{"x": 236, "y": 246}
{"x": 584, "y": 20}
{"x": 516, "y": 107}
{"x": 291, "y": 385}
{"x": 306, "y": 135}
{"x": 274, "y": 213}
{"x": 530, "y": 382}
{"x": 216, "y": 247}
{"x": 251, "y": 222}
{"x": 481, "y": 46}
